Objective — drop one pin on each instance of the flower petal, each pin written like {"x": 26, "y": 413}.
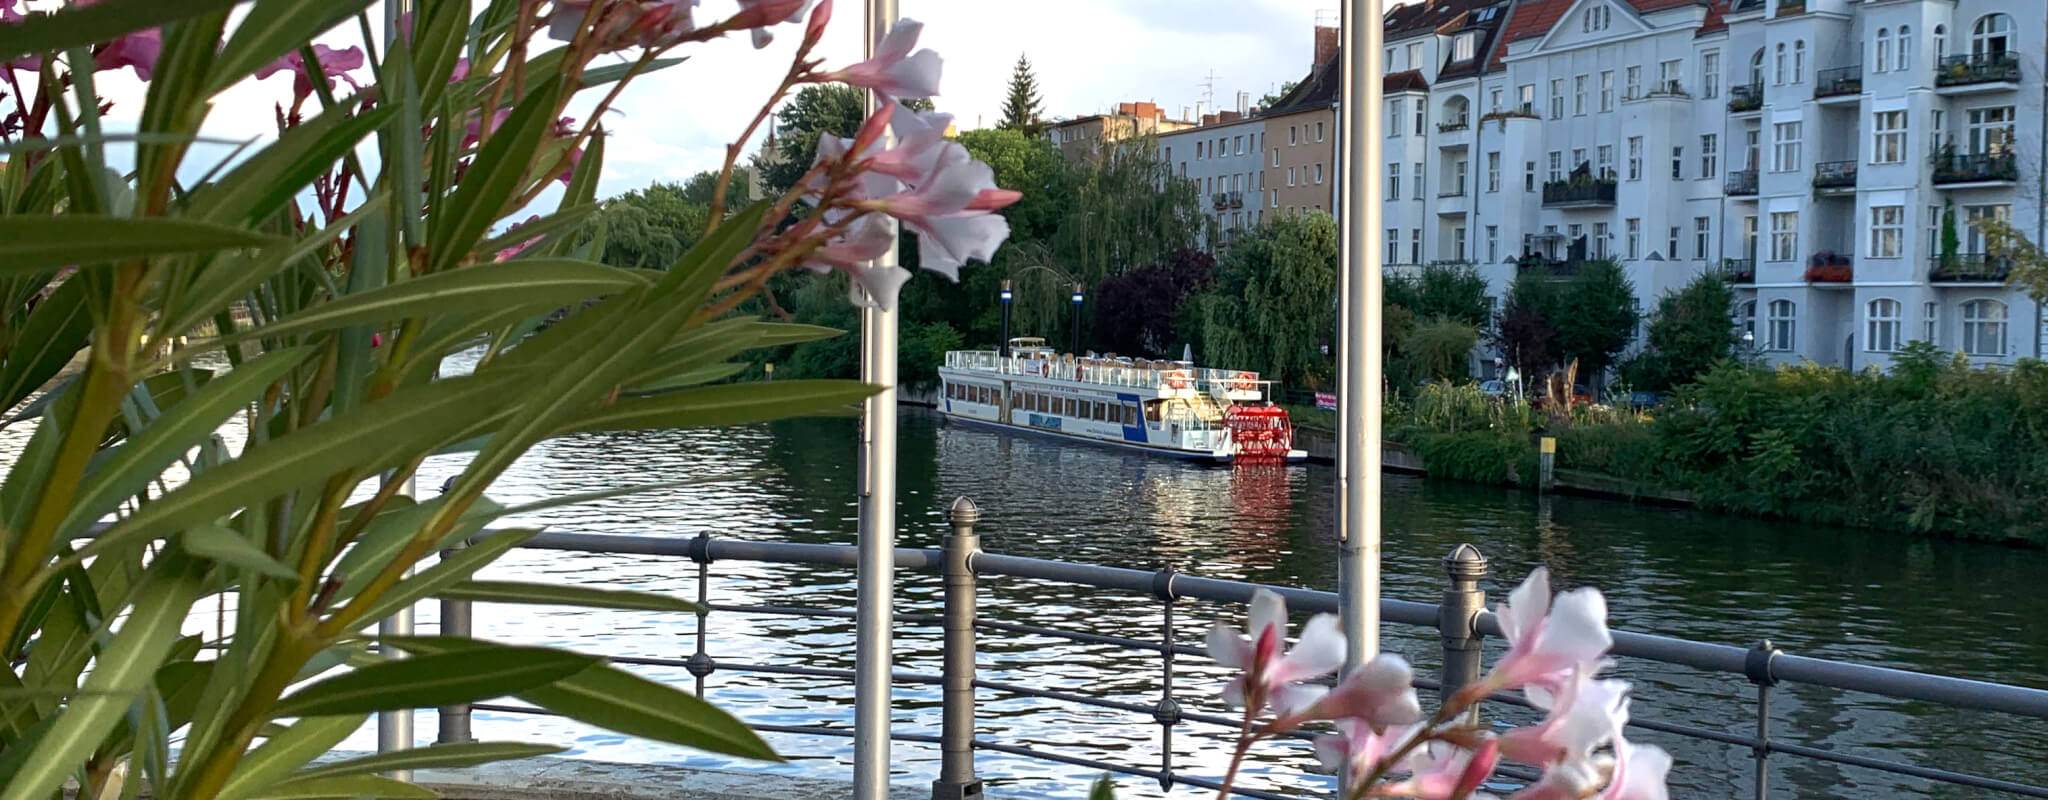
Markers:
{"x": 1228, "y": 647}
{"x": 1269, "y": 610}
{"x": 1320, "y": 651}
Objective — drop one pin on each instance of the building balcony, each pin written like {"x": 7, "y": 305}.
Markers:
{"x": 1745, "y": 99}
{"x": 1830, "y": 267}
{"x": 1583, "y": 193}
{"x": 1557, "y": 268}
{"x": 1787, "y": 8}
{"x": 1741, "y": 183}
{"x": 1670, "y": 88}
{"x": 1838, "y": 82}
{"x": 1453, "y": 126}
{"x": 1834, "y": 175}
{"x": 1523, "y": 111}
{"x": 1969, "y": 268}
{"x": 1986, "y": 72}
{"x": 1227, "y": 200}
{"x": 1989, "y": 169}
{"x": 1737, "y": 270}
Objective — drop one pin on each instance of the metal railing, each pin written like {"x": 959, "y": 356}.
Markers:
{"x": 1746, "y": 98}
{"x": 1838, "y": 81}
{"x": 1737, "y": 270}
{"x": 1461, "y": 622}
{"x": 1741, "y": 182}
{"x": 1591, "y": 192}
{"x": 1834, "y": 174}
{"x": 1453, "y": 126}
{"x": 1969, "y": 268}
{"x": 1975, "y": 167}
{"x": 1966, "y": 69}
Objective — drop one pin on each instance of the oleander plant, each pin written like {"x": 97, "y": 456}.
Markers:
{"x": 231, "y": 359}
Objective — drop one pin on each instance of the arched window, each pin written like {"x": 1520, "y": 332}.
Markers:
{"x": 1756, "y": 68}
{"x": 1940, "y": 43}
{"x": 1882, "y": 328}
{"x": 1984, "y": 328}
{"x": 1778, "y": 66}
{"x": 1905, "y": 48}
{"x": 1992, "y": 37}
{"x": 1784, "y": 325}
{"x": 1457, "y": 110}
{"x": 1799, "y": 61}
{"x": 1883, "y": 61}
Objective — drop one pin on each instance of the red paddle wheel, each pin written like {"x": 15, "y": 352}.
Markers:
{"x": 1261, "y": 434}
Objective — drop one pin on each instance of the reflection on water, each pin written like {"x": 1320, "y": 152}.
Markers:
{"x": 1932, "y": 605}
{"x": 1923, "y": 604}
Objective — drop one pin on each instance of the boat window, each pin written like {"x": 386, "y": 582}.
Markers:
{"x": 1130, "y": 413}
{"x": 1072, "y": 410}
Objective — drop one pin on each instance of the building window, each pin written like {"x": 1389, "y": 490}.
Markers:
{"x": 1387, "y": 66}
{"x": 1579, "y": 94}
{"x": 1557, "y": 98}
{"x": 1905, "y": 48}
{"x": 1671, "y": 244}
{"x": 1935, "y": 120}
{"x": 1492, "y": 243}
{"x": 1393, "y": 181}
{"x": 1493, "y": 171}
{"x": 1745, "y": 318}
{"x": 1710, "y": 75}
{"x": 1756, "y": 68}
{"x": 1984, "y": 328}
{"x": 1526, "y": 96}
{"x": 1940, "y": 43}
{"x": 1393, "y": 245}
{"x": 1421, "y": 116}
{"x": 1528, "y": 176}
{"x": 1290, "y": 176}
{"x": 1319, "y": 174}
{"x": 1783, "y": 325}
{"x": 1785, "y": 147}
{"x": 1930, "y": 322}
{"x": 1778, "y": 71}
{"x": 1883, "y": 61}
{"x": 1573, "y": 232}
{"x": 1635, "y": 158}
{"x": 1415, "y": 246}
{"x": 1394, "y": 118}
{"x": 1578, "y": 157}
{"x": 1418, "y": 180}
{"x": 1605, "y": 153}
{"x": 1464, "y": 46}
{"x": 1701, "y": 234}
{"x": 1784, "y": 236}
{"x": 1710, "y": 154}
{"x": 1458, "y": 177}
{"x": 1888, "y": 138}
{"x": 1632, "y": 228}
{"x": 1887, "y": 230}
{"x": 1556, "y": 166}
{"x": 1749, "y": 237}
{"x": 1319, "y": 131}
{"x": 1458, "y": 243}
{"x": 1990, "y": 131}
{"x": 1415, "y": 55}
{"x": 1293, "y": 135}
{"x": 1237, "y": 145}
{"x": 1668, "y": 73}
{"x": 1883, "y": 328}
{"x": 1596, "y": 19}
{"x": 1276, "y": 156}
{"x": 1677, "y": 163}
{"x": 1992, "y": 36}
{"x": 1933, "y": 227}
{"x": 1493, "y": 100}
{"x": 1607, "y": 90}
{"x": 1633, "y": 78}
{"x": 1599, "y": 247}
{"x": 1799, "y": 61}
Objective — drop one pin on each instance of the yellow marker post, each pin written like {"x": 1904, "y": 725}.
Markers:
{"x": 1546, "y": 462}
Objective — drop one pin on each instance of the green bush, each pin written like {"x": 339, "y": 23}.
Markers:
{"x": 1480, "y": 456}
{"x": 1623, "y": 450}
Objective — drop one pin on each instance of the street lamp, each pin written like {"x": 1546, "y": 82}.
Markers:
{"x": 1749, "y": 348}
{"x": 1003, "y": 347}
{"x": 1076, "y": 349}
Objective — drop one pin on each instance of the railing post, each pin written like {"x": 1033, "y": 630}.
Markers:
{"x": 1167, "y": 713}
{"x": 1758, "y": 667}
{"x": 956, "y": 734}
{"x": 455, "y": 621}
{"x": 1463, "y": 600}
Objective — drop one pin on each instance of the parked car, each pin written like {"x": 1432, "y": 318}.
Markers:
{"x": 1494, "y": 389}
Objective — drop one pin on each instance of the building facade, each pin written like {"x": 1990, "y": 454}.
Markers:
{"x": 1222, "y": 157}
{"x": 1819, "y": 153}
{"x": 1085, "y": 136}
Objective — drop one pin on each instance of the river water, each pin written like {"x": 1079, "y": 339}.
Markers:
{"x": 1933, "y": 605}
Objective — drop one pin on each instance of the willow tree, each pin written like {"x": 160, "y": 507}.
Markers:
{"x": 1273, "y": 305}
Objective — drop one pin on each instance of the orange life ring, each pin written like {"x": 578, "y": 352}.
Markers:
{"x": 1246, "y": 381}
{"x": 1179, "y": 379}
{"x": 1044, "y": 367}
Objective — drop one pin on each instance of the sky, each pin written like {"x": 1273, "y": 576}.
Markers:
{"x": 1088, "y": 55}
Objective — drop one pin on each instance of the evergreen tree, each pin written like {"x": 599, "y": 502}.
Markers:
{"x": 1021, "y": 110}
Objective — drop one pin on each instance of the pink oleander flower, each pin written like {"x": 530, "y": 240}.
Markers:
{"x": 1640, "y": 771}
{"x": 1567, "y": 780}
{"x": 1269, "y": 676}
{"x": 951, "y": 210}
{"x": 512, "y": 252}
{"x": 1546, "y": 642}
{"x": 473, "y": 129}
{"x": 625, "y": 23}
{"x": 1583, "y": 715}
{"x": 333, "y": 63}
{"x": 1441, "y": 771}
{"x": 869, "y": 237}
{"x": 894, "y": 71}
{"x": 139, "y": 50}
{"x": 1379, "y": 693}
{"x": 28, "y": 63}
{"x": 760, "y": 15}
{"x": 1356, "y": 746}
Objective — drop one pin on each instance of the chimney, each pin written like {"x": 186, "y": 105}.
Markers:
{"x": 1147, "y": 111}
{"x": 1244, "y": 103}
{"x": 1229, "y": 116}
{"x": 1326, "y": 43}
{"x": 1198, "y": 108}
{"x": 1208, "y": 119}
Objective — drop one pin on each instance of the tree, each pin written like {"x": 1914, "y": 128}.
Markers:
{"x": 648, "y": 228}
{"x": 1021, "y": 109}
{"x": 1271, "y": 308}
{"x": 1273, "y": 98}
{"x": 1455, "y": 292}
{"x": 2029, "y": 264}
{"x": 1441, "y": 349}
{"x": 1690, "y": 333}
{"x": 1598, "y": 316}
{"x": 1135, "y": 313}
{"x": 816, "y": 110}
{"x": 1525, "y": 334}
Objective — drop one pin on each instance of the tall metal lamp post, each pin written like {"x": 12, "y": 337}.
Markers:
{"x": 1003, "y": 347}
{"x": 1076, "y": 348}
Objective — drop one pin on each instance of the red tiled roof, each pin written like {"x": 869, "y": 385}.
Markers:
{"x": 1406, "y": 81}
{"x": 1533, "y": 18}
{"x": 1715, "y": 21}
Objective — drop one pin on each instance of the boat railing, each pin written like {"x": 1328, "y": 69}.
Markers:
{"x": 1132, "y": 374}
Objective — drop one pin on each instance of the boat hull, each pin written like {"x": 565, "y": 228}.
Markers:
{"x": 1191, "y": 456}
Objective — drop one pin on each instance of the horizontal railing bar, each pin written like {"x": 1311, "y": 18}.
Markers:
{"x": 934, "y": 619}
{"x": 1929, "y": 773}
{"x": 1902, "y": 684}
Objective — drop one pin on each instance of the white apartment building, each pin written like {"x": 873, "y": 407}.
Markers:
{"x": 1222, "y": 158}
{"x": 1811, "y": 149}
